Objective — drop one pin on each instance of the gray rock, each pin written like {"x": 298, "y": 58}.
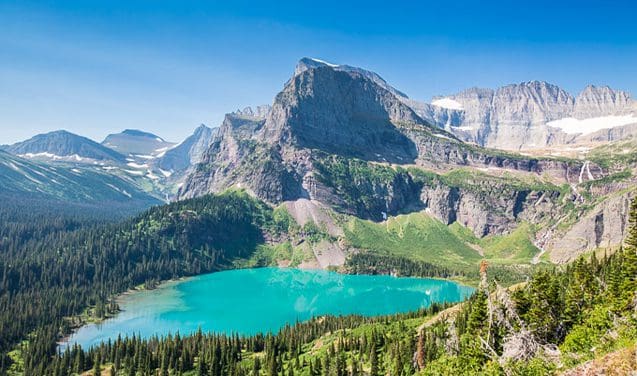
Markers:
{"x": 515, "y": 117}
{"x": 189, "y": 152}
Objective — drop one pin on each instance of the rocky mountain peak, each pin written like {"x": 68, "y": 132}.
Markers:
{"x": 341, "y": 109}
{"x": 595, "y": 101}
{"x": 532, "y": 102}
{"x": 258, "y": 112}
{"x": 311, "y": 63}
{"x": 189, "y": 152}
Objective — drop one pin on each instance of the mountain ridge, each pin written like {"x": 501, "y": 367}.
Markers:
{"x": 531, "y": 115}
{"x": 62, "y": 144}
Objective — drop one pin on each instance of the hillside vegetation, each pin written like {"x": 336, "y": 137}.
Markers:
{"x": 559, "y": 319}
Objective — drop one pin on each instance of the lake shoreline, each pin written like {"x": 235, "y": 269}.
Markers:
{"x": 123, "y": 297}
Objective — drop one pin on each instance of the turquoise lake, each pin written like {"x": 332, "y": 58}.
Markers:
{"x": 248, "y": 301}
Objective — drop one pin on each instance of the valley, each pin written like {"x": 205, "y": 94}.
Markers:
{"x": 345, "y": 174}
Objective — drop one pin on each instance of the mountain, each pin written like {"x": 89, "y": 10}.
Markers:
{"x": 137, "y": 143}
{"x": 536, "y": 114}
{"x": 24, "y": 181}
{"x": 65, "y": 146}
{"x": 341, "y": 138}
{"x": 187, "y": 153}
{"x": 258, "y": 112}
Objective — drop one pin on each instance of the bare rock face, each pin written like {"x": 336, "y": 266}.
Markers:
{"x": 604, "y": 226}
{"x": 189, "y": 152}
{"x": 236, "y": 159}
{"x": 340, "y": 112}
{"x": 259, "y": 112}
{"x": 331, "y": 126}
{"x": 596, "y": 101}
{"x": 517, "y": 117}
{"x": 488, "y": 207}
{"x": 532, "y": 102}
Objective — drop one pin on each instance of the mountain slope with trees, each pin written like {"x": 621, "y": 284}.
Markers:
{"x": 557, "y": 320}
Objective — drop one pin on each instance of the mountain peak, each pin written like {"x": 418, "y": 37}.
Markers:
{"x": 134, "y": 141}
{"x": 60, "y": 144}
{"x": 310, "y": 63}
{"x": 259, "y": 112}
{"x": 140, "y": 133}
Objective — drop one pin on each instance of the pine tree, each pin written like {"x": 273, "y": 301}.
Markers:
{"x": 629, "y": 265}
{"x": 478, "y": 314}
{"x": 97, "y": 367}
{"x": 373, "y": 360}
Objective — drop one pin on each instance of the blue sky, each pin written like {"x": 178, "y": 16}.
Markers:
{"x": 97, "y": 67}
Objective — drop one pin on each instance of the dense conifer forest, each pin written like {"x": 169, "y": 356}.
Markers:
{"x": 56, "y": 268}
{"x": 53, "y": 268}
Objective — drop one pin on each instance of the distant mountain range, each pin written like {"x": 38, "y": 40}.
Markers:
{"x": 63, "y": 145}
{"x": 525, "y": 116}
{"x": 187, "y": 153}
{"x": 537, "y": 114}
{"x": 132, "y": 168}
{"x": 340, "y": 138}
{"x": 37, "y": 183}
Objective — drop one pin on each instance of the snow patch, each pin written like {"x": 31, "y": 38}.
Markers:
{"x": 324, "y": 62}
{"x": 161, "y": 151}
{"x": 136, "y": 165}
{"x": 447, "y": 103}
{"x": 37, "y": 155}
{"x": 52, "y": 156}
{"x": 144, "y": 156}
{"x": 152, "y": 176}
{"x": 442, "y": 136}
{"x": 13, "y": 166}
{"x": 590, "y": 125}
{"x": 137, "y": 173}
{"x": 165, "y": 173}
{"x": 465, "y": 128}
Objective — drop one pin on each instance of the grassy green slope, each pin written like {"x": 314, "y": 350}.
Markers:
{"x": 416, "y": 236}
{"x": 420, "y": 237}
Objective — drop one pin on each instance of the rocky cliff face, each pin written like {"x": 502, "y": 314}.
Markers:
{"x": 489, "y": 207}
{"x": 340, "y": 112}
{"x": 605, "y": 225}
{"x": 189, "y": 152}
{"x": 523, "y": 116}
{"x": 596, "y": 101}
{"x": 342, "y": 137}
{"x": 259, "y": 112}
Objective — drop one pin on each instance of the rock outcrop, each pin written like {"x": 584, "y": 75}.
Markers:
{"x": 530, "y": 115}
{"x": 189, "y": 152}
{"x": 343, "y": 138}
{"x": 604, "y": 226}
